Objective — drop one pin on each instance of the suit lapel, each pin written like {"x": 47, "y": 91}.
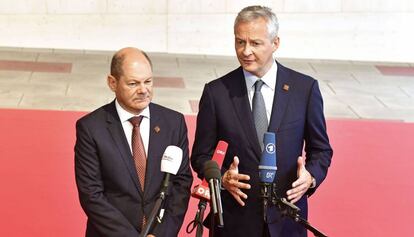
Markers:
{"x": 281, "y": 98}
{"x": 156, "y": 140}
{"x": 118, "y": 136}
{"x": 240, "y": 99}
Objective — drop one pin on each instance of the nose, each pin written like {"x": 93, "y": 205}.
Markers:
{"x": 247, "y": 50}
{"x": 141, "y": 89}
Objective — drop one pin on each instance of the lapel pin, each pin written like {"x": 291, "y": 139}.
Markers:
{"x": 157, "y": 129}
{"x": 285, "y": 87}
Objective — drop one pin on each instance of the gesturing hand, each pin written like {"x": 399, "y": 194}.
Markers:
{"x": 302, "y": 184}
{"x": 231, "y": 181}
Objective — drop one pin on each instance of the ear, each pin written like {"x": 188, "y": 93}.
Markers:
{"x": 275, "y": 43}
{"x": 112, "y": 82}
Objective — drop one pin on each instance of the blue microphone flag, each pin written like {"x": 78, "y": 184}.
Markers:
{"x": 267, "y": 166}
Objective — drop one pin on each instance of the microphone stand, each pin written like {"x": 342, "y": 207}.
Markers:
{"x": 155, "y": 210}
{"x": 212, "y": 217}
{"x": 213, "y": 208}
{"x": 265, "y": 194}
{"x": 292, "y": 211}
{"x": 216, "y": 208}
{"x": 198, "y": 220}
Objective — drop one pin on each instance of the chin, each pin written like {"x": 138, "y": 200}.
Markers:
{"x": 142, "y": 106}
{"x": 139, "y": 106}
{"x": 250, "y": 69}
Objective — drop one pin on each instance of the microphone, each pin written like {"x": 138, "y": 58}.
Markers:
{"x": 213, "y": 176}
{"x": 202, "y": 191}
{"x": 170, "y": 164}
{"x": 267, "y": 169}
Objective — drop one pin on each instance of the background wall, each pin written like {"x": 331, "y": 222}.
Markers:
{"x": 374, "y": 30}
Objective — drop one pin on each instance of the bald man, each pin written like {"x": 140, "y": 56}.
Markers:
{"x": 116, "y": 193}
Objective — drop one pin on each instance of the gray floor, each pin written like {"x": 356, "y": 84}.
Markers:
{"x": 351, "y": 90}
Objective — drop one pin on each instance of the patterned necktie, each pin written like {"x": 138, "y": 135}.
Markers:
{"x": 259, "y": 112}
{"x": 138, "y": 151}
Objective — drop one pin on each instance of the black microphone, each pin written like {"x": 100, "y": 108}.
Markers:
{"x": 267, "y": 169}
{"x": 202, "y": 192}
{"x": 213, "y": 176}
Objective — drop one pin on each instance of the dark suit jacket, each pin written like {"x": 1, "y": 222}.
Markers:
{"x": 296, "y": 119}
{"x": 109, "y": 190}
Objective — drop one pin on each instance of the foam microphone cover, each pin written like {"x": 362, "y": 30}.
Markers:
{"x": 211, "y": 170}
{"x": 171, "y": 160}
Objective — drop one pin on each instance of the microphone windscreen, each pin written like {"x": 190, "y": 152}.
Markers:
{"x": 211, "y": 170}
{"x": 171, "y": 160}
{"x": 267, "y": 167}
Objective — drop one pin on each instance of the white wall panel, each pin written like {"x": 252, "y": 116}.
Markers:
{"x": 200, "y": 34}
{"x": 109, "y": 32}
{"x": 347, "y": 36}
{"x": 312, "y": 6}
{"x": 379, "y": 30}
{"x": 234, "y": 6}
{"x": 193, "y": 7}
{"x": 22, "y": 7}
{"x": 138, "y": 6}
{"x": 378, "y": 5}
{"x": 75, "y": 6}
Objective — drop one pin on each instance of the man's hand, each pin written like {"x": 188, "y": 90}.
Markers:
{"x": 302, "y": 184}
{"x": 230, "y": 181}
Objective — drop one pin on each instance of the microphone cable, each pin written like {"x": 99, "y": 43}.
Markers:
{"x": 198, "y": 220}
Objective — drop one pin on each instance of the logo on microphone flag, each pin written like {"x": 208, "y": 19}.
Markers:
{"x": 270, "y": 148}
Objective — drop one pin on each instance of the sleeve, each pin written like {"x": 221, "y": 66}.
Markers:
{"x": 105, "y": 218}
{"x": 179, "y": 194}
{"x": 206, "y": 133}
{"x": 318, "y": 150}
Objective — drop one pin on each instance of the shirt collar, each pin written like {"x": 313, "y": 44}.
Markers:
{"x": 269, "y": 78}
{"x": 125, "y": 115}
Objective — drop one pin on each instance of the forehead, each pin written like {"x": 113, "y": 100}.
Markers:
{"x": 139, "y": 69}
{"x": 256, "y": 27}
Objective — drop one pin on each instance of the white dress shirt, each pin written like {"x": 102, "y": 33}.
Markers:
{"x": 268, "y": 88}
{"x": 127, "y": 126}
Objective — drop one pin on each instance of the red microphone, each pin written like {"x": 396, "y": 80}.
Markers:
{"x": 201, "y": 191}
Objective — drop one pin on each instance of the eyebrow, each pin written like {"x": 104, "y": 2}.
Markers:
{"x": 136, "y": 80}
{"x": 256, "y": 40}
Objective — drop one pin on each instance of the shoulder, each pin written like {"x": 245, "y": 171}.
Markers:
{"x": 159, "y": 110}
{"x": 294, "y": 75}
{"x": 99, "y": 115}
{"x": 169, "y": 118}
{"x": 227, "y": 79}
